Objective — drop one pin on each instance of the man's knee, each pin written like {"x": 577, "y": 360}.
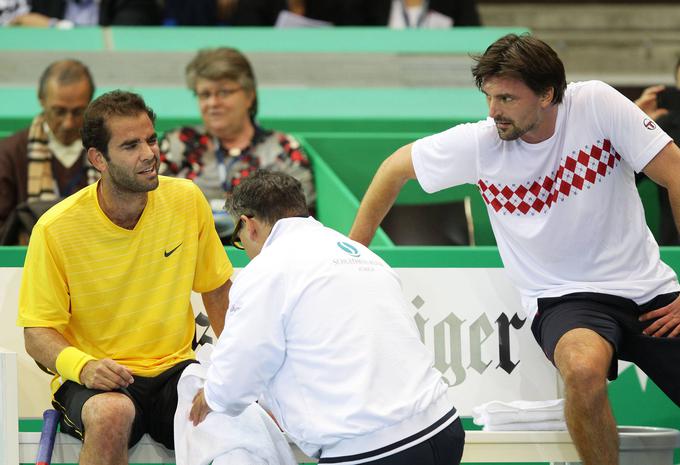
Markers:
{"x": 111, "y": 413}
{"x": 583, "y": 359}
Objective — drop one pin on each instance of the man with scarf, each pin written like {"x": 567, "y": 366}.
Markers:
{"x": 46, "y": 161}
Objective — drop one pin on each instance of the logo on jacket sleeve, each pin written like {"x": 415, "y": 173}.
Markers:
{"x": 349, "y": 249}
{"x": 649, "y": 124}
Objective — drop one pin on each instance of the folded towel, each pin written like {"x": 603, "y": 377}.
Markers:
{"x": 519, "y": 411}
{"x": 251, "y": 438}
{"x": 535, "y": 426}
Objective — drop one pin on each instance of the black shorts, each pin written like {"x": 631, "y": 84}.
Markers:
{"x": 616, "y": 320}
{"x": 155, "y": 401}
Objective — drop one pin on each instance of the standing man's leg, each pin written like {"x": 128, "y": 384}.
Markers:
{"x": 658, "y": 357}
{"x": 583, "y": 358}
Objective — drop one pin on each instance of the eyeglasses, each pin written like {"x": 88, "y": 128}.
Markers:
{"x": 236, "y": 235}
{"x": 220, "y": 94}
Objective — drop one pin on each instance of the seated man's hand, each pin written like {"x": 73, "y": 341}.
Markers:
{"x": 667, "y": 320}
{"x": 199, "y": 409}
{"x": 647, "y": 102}
{"x": 105, "y": 374}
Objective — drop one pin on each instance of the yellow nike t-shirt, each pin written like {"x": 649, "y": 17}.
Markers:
{"x": 118, "y": 293}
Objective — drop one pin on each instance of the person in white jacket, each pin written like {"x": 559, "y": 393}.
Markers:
{"x": 318, "y": 329}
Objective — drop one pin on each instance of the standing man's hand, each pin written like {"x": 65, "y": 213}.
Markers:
{"x": 199, "y": 408}
{"x": 647, "y": 102}
{"x": 106, "y": 375}
{"x": 667, "y": 320}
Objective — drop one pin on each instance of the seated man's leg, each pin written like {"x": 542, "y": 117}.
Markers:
{"x": 583, "y": 359}
{"x": 108, "y": 420}
{"x": 160, "y": 417}
{"x": 580, "y": 333}
{"x": 104, "y": 421}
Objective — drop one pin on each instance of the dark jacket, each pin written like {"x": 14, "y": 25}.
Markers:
{"x": 111, "y": 12}
{"x": 14, "y": 174}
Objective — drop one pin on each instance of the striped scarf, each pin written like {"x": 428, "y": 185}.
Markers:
{"x": 41, "y": 184}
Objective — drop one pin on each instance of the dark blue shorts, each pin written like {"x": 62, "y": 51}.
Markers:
{"x": 616, "y": 320}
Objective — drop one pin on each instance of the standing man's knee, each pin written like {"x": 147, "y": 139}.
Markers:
{"x": 583, "y": 358}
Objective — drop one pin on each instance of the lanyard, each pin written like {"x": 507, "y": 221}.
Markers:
{"x": 421, "y": 17}
{"x": 224, "y": 167}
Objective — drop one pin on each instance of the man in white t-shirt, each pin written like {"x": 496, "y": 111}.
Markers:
{"x": 319, "y": 327}
{"x": 555, "y": 165}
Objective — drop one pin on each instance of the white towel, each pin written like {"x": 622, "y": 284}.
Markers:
{"x": 528, "y": 426}
{"x": 519, "y": 411}
{"x": 251, "y": 438}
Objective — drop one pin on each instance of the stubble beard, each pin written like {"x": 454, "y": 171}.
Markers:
{"x": 126, "y": 182}
{"x": 514, "y": 132}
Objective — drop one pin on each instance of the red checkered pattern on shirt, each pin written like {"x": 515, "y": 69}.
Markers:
{"x": 576, "y": 172}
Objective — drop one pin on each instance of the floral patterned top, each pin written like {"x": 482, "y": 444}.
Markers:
{"x": 190, "y": 152}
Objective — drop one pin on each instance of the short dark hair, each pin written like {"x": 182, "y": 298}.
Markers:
{"x": 268, "y": 195}
{"x": 526, "y": 58}
{"x": 65, "y": 72}
{"x": 215, "y": 64}
{"x": 95, "y": 132}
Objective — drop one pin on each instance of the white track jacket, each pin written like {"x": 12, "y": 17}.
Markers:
{"x": 319, "y": 330}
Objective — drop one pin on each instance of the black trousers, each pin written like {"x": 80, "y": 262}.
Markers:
{"x": 444, "y": 448}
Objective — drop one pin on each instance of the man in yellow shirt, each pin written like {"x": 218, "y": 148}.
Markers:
{"x": 105, "y": 296}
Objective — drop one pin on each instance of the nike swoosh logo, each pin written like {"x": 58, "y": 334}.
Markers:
{"x": 167, "y": 254}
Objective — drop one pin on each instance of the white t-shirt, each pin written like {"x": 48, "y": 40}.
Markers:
{"x": 319, "y": 326}
{"x": 403, "y": 17}
{"x": 565, "y": 212}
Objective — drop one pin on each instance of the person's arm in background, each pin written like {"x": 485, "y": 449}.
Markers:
{"x": 44, "y": 13}
{"x": 381, "y": 194}
{"x": 647, "y": 102}
{"x": 33, "y": 20}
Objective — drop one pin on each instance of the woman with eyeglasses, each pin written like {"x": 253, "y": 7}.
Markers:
{"x": 229, "y": 145}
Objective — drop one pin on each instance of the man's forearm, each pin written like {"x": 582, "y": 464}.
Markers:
{"x": 381, "y": 194}
{"x": 674, "y": 198}
{"x": 44, "y": 345}
{"x": 216, "y": 303}
{"x": 377, "y": 201}
{"x": 664, "y": 169}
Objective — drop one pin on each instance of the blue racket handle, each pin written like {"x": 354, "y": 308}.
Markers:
{"x": 49, "y": 431}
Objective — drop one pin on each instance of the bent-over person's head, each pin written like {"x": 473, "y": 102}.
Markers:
{"x": 526, "y": 58}
{"x": 224, "y": 84}
{"x": 64, "y": 90}
{"x": 258, "y": 202}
